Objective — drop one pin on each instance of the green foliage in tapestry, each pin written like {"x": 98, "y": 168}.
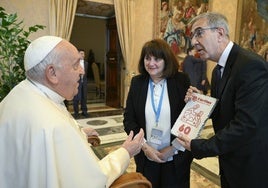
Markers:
{"x": 13, "y": 43}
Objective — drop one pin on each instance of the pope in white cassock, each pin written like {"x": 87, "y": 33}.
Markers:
{"x": 41, "y": 145}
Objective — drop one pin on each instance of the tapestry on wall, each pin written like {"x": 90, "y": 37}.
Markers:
{"x": 174, "y": 17}
{"x": 254, "y": 26}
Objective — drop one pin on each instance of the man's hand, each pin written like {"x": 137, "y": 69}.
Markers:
{"x": 133, "y": 145}
{"x": 190, "y": 92}
{"x": 185, "y": 141}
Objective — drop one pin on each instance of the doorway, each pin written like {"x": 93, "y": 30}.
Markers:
{"x": 89, "y": 34}
{"x": 95, "y": 31}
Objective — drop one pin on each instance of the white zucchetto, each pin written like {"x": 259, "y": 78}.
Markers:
{"x": 39, "y": 49}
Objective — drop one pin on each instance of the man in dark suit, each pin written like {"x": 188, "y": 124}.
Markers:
{"x": 82, "y": 89}
{"x": 240, "y": 119}
{"x": 196, "y": 69}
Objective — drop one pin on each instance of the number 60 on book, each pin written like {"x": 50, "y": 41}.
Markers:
{"x": 194, "y": 115}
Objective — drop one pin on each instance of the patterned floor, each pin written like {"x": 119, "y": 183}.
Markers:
{"x": 203, "y": 174}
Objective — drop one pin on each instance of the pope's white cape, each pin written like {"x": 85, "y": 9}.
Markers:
{"x": 42, "y": 146}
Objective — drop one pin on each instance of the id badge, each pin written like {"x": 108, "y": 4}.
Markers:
{"x": 156, "y": 136}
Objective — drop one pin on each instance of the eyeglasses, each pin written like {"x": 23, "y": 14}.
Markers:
{"x": 198, "y": 32}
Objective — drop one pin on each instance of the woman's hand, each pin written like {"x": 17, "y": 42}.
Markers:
{"x": 167, "y": 152}
{"x": 152, "y": 154}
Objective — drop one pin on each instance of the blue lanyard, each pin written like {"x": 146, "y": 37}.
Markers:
{"x": 157, "y": 112}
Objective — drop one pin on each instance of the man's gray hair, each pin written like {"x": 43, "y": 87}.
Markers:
{"x": 213, "y": 20}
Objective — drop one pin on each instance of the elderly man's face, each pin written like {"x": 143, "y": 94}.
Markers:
{"x": 204, "y": 39}
{"x": 69, "y": 72}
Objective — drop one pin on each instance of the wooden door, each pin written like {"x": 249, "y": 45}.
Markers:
{"x": 113, "y": 78}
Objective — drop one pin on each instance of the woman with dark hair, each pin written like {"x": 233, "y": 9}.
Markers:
{"x": 154, "y": 102}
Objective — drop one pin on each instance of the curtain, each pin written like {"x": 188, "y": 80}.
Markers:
{"x": 125, "y": 21}
{"x": 61, "y": 17}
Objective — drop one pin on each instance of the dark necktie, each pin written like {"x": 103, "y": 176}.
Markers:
{"x": 217, "y": 79}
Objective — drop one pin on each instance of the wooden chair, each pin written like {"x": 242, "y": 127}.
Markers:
{"x": 94, "y": 140}
{"x": 99, "y": 84}
{"x": 131, "y": 180}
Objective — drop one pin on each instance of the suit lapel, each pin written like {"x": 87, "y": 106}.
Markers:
{"x": 143, "y": 97}
{"x": 171, "y": 83}
{"x": 228, "y": 68}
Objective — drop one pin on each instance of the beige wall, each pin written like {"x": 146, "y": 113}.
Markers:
{"x": 229, "y": 9}
{"x": 144, "y": 25}
{"x": 32, "y": 12}
{"x": 90, "y": 33}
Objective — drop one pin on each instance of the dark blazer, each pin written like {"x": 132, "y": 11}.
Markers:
{"x": 82, "y": 92}
{"x": 134, "y": 115}
{"x": 240, "y": 121}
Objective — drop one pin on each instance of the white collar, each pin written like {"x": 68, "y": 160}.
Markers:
{"x": 225, "y": 54}
{"x": 52, "y": 95}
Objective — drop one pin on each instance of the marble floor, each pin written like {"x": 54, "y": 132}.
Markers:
{"x": 108, "y": 122}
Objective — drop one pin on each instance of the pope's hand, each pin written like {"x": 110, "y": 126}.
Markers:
{"x": 133, "y": 145}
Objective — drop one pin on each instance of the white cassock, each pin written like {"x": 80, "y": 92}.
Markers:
{"x": 41, "y": 145}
